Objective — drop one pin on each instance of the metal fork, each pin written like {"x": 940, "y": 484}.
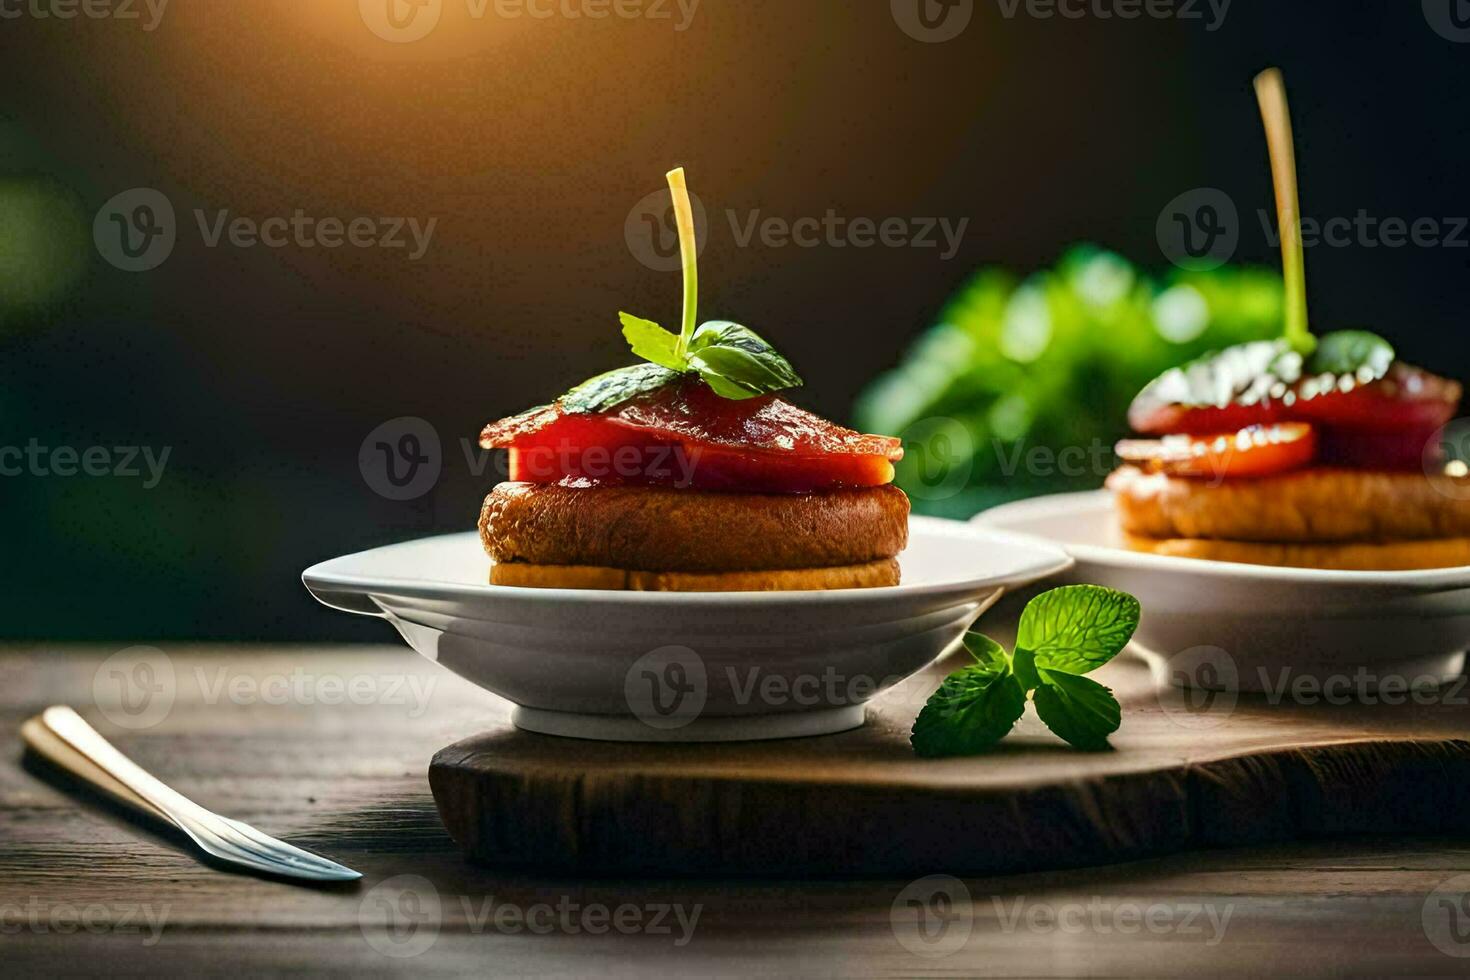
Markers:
{"x": 60, "y": 735}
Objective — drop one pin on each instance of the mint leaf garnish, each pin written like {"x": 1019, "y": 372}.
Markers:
{"x": 1063, "y": 634}
{"x": 972, "y": 710}
{"x": 733, "y": 360}
{"x": 1364, "y": 356}
{"x": 606, "y": 390}
{"x": 1079, "y": 710}
{"x": 652, "y": 342}
{"x": 737, "y": 363}
{"x": 1077, "y": 627}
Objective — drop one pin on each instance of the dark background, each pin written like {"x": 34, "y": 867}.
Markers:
{"x": 530, "y": 140}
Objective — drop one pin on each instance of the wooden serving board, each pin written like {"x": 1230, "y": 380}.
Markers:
{"x": 1188, "y": 771}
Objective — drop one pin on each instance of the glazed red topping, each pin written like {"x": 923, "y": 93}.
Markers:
{"x": 1385, "y": 424}
{"x": 685, "y": 435}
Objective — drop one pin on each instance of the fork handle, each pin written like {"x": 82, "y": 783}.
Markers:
{"x": 51, "y": 747}
{"x": 174, "y": 806}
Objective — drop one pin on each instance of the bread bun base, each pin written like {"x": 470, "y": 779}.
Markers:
{"x": 526, "y": 575}
{"x": 1370, "y": 556}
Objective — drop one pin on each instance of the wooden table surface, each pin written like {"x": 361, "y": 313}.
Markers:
{"x": 329, "y": 747}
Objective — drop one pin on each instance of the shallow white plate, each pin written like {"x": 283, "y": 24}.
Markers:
{"x": 664, "y": 666}
{"x": 1232, "y": 626}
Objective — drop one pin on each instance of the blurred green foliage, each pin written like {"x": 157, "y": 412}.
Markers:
{"x": 1023, "y": 385}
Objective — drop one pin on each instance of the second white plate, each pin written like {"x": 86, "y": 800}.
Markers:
{"x": 1258, "y": 628}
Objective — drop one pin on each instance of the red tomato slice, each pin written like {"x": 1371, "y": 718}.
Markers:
{"x": 1259, "y": 450}
{"x": 1363, "y": 449}
{"x": 1407, "y": 398}
{"x": 684, "y": 435}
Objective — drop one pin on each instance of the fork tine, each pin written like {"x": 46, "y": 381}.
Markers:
{"x": 286, "y": 851}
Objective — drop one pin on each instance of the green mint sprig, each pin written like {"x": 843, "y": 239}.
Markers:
{"x": 1063, "y": 634}
{"x": 733, "y": 360}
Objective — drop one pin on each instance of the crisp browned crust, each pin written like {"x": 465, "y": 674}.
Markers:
{"x": 1353, "y": 556}
{"x": 1309, "y": 506}
{"x": 668, "y": 530}
{"x": 866, "y": 576}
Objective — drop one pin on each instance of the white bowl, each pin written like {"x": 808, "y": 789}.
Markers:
{"x": 1230, "y": 626}
{"x": 666, "y": 666}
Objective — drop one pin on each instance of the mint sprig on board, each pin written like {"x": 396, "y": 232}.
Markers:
{"x": 733, "y": 360}
{"x": 1063, "y": 634}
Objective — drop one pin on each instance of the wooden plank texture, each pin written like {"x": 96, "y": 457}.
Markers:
{"x": 349, "y": 779}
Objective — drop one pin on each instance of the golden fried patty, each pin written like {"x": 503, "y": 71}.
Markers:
{"x": 1365, "y": 556}
{"x": 1317, "y": 505}
{"x": 865, "y": 576}
{"x": 668, "y": 530}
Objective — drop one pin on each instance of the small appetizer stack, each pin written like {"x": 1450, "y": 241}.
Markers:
{"x": 686, "y": 473}
{"x": 1307, "y": 452}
